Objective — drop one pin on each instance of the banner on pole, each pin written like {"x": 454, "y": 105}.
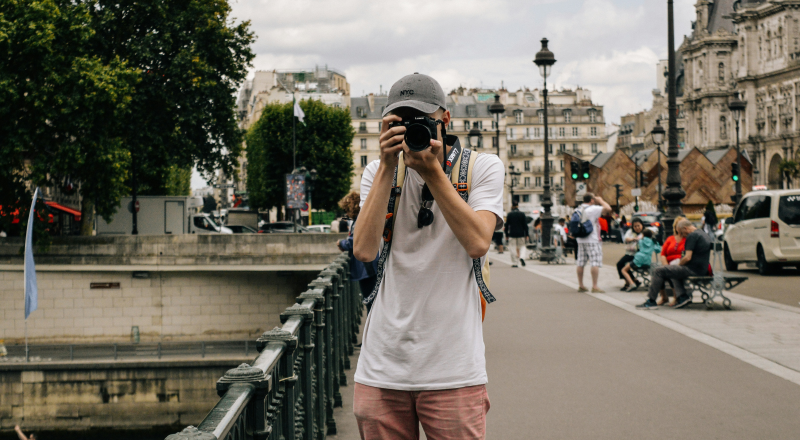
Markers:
{"x": 31, "y": 290}
{"x": 295, "y": 191}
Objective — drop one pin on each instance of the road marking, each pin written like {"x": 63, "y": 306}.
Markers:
{"x": 725, "y": 347}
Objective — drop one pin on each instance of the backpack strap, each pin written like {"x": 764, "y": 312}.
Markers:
{"x": 464, "y": 184}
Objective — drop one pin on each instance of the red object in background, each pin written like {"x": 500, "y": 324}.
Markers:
{"x": 603, "y": 224}
{"x": 237, "y": 201}
{"x": 75, "y": 214}
{"x": 15, "y": 214}
{"x": 774, "y": 230}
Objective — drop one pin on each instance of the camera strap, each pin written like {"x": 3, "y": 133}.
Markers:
{"x": 464, "y": 158}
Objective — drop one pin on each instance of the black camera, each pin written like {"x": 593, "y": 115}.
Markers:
{"x": 419, "y": 131}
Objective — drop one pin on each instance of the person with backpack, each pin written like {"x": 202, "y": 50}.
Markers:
{"x": 431, "y": 212}
{"x": 517, "y": 233}
{"x": 584, "y": 225}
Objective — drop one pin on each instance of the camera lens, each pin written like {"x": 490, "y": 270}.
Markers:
{"x": 418, "y": 137}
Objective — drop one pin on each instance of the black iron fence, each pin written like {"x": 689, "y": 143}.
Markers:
{"x": 291, "y": 388}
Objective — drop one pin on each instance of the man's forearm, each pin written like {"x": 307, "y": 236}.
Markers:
{"x": 369, "y": 227}
{"x": 467, "y": 225}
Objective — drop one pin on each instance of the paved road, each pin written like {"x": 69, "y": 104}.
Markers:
{"x": 564, "y": 365}
{"x": 780, "y": 288}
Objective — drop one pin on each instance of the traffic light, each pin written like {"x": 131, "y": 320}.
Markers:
{"x": 585, "y": 174}
{"x": 575, "y": 170}
{"x": 735, "y": 172}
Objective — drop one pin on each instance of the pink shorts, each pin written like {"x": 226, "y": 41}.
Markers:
{"x": 455, "y": 414}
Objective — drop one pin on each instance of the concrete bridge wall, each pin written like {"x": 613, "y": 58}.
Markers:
{"x": 75, "y": 396}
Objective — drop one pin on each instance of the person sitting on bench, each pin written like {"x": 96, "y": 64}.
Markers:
{"x": 694, "y": 263}
{"x": 641, "y": 260}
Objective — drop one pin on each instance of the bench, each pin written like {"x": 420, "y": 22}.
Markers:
{"x": 711, "y": 287}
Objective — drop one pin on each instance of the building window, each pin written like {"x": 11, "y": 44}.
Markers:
{"x": 562, "y": 165}
{"x": 575, "y": 149}
{"x": 494, "y": 125}
{"x": 538, "y": 181}
{"x": 575, "y": 131}
{"x": 362, "y": 127}
{"x": 513, "y": 148}
{"x": 466, "y": 126}
{"x": 480, "y": 125}
{"x": 525, "y": 197}
{"x": 541, "y": 116}
{"x": 511, "y": 133}
{"x": 550, "y": 149}
{"x": 495, "y": 141}
{"x": 363, "y": 144}
{"x": 592, "y": 116}
{"x": 562, "y": 181}
{"x": 527, "y": 165}
{"x": 550, "y": 162}
{"x": 562, "y": 148}
{"x": 538, "y": 133}
{"x": 361, "y": 112}
{"x": 594, "y": 148}
{"x": 472, "y": 111}
{"x": 363, "y": 161}
{"x": 518, "y": 117}
{"x": 567, "y": 117}
{"x": 562, "y": 131}
{"x": 593, "y": 131}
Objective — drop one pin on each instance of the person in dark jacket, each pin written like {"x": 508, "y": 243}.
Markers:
{"x": 364, "y": 273}
{"x": 517, "y": 233}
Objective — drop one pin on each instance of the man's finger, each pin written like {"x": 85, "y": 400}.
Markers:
{"x": 387, "y": 120}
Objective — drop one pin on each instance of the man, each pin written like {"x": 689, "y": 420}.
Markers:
{"x": 561, "y": 227}
{"x": 422, "y": 356}
{"x": 590, "y": 249}
{"x": 694, "y": 263}
{"x": 517, "y": 232}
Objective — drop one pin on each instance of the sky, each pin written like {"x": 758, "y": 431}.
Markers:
{"x": 610, "y": 47}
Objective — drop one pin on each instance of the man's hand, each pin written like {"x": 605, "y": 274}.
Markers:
{"x": 425, "y": 162}
{"x": 606, "y": 207}
{"x": 687, "y": 257}
{"x": 391, "y": 141}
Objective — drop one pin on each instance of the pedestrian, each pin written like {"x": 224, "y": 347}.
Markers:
{"x": 590, "y": 249}
{"x": 671, "y": 254}
{"x": 642, "y": 259}
{"x": 697, "y": 251}
{"x": 497, "y": 238}
{"x": 22, "y": 435}
{"x": 422, "y": 357}
{"x": 364, "y": 273}
{"x": 517, "y": 233}
{"x": 603, "y": 228}
{"x": 631, "y": 240}
{"x": 561, "y": 228}
{"x": 708, "y": 222}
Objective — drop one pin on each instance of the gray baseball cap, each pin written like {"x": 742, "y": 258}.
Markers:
{"x": 417, "y": 91}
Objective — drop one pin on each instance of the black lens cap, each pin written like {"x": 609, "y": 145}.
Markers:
{"x": 425, "y": 217}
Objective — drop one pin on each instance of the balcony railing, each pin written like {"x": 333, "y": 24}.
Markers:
{"x": 291, "y": 388}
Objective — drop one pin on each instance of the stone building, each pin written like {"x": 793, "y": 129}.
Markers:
{"x": 753, "y": 47}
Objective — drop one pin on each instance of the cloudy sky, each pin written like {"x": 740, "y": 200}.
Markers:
{"x": 608, "y": 46}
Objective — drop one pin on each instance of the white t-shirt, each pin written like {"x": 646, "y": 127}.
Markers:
{"x": 424, "y": 331}
{"x": 561, "y": 230}
{"x": 593, "y": 213}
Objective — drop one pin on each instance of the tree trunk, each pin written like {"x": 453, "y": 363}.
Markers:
{"x": 87, "y": 216}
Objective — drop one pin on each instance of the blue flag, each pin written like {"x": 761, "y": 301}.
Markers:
{"x": 31, "y": 291}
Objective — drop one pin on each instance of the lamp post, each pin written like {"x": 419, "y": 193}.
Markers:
{"x": 474, "y": 136}
{"x": 674, "y": 193}
{"x": 514, "y": 179}
{"x": 658, "y": 139}
{"x": 737, "y": 106}
{"x": 497, "y": 109}
{"x": 311, "y": 177}
{"x": 545, "y": 60}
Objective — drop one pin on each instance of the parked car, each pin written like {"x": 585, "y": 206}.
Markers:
{"x": 765, "y": 228}
{"x": 281, "y": 227}
{"x": 242, "y": 229}
{"x": 324, "y": 229}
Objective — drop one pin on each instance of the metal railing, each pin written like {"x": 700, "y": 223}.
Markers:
{"x": 127, "y": 351}
{"x": 291, "y": 388}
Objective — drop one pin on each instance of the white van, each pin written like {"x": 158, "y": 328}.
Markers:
{"x": 765, "y": 228}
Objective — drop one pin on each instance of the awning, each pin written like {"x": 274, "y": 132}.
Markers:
{"x": 62, "y": 208}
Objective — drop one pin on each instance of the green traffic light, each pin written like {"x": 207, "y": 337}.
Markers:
{"x": 735, "y": 178}
{"x": 574, "y": 176}
{"x": 585, "y": 175}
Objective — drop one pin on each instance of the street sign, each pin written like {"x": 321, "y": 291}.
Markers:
{"x": 580, "y": 188}
{"x": 636, "y": 192}
{"x": 131, "y": 206}
{"x": 223, "y": 185}
{"x": 305, "y": 207}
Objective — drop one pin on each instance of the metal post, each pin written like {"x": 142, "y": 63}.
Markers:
{"x": 674, "y": 193}
{"x": 134, "y": 184}
{"x": 738, "y": 166}
{"x": 660, "y": 207}
{"x": 547, "y": 218}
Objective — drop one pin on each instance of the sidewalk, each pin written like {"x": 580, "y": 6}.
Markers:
{"x": 762, "y": 333}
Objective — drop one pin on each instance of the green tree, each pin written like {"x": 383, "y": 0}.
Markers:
{"x": 191, "y": 57}
{"x": 323, "y": 143}
{"x": 790, "y": 170}
{"x": 179, "y": 181}
{"x": 61, "y": 107}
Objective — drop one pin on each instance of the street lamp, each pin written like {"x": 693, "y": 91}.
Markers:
{"x": 737, "y": 106}
{"x": 658, "y": 139}
{"x": 674, "y": 193}
{"x": 474, "y": 136}
{"x": 545, "y": 60}
{"x": 497, "y": 108}
{"x": 514, "y": 179}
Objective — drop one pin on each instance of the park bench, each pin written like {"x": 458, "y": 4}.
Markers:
{"x": 713, "y": 286}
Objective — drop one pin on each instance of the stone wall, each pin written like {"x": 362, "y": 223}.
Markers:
{"x": 197, "y": 305}
{"x": 81, "y": 397}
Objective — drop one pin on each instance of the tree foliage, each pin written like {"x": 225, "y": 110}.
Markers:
{"x": 323, "y": 143}
{"x": 61, "y": 106}
{"x": 191, "y": 57}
